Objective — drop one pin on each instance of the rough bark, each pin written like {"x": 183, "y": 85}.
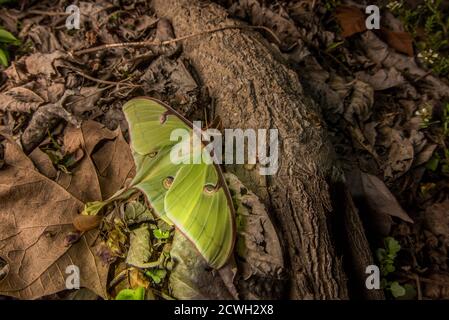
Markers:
{"x": 351, "y": 240}
{"x": 253, "y": 88}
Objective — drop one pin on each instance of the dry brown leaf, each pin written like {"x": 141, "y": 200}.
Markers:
{"x": 424, "y": 155}
{"x": 360, "y": 103}
{"x": 376, "y": 202}
{"x": 83, "y": 181}
{"x": 44, "y": 40}
{"x": 34, "y": 231}
{"x": 20, "y": 99}
{"x": 114, "y": 163}
{"x": 106, "y": 164}
{"x": 45, "y": 118}
{"x": 382, "y": 79}
{"x": 16, "y": 73}
{"x": 400, "y": 41}
{"x": 351, "y": 20}
{"x": 85, "y": 101}
{"x": 43, "y": 163}
{"x": 37, "y": 215}
{"x": 86, "y": 137}
{"x": 380, "y": 199}
{"x": 42, "y": 63}
{"x": 400, "y": 155}
{"x": 436, "y": 218}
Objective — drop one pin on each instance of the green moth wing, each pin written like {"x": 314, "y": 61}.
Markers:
{"x": 195, "y": 190}
{"x": 193, "y": 197}
{"x": 151, "y": 124}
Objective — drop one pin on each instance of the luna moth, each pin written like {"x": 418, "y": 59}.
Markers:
{"x": 192, "y": 197}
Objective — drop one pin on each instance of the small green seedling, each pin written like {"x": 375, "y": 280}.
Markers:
{"x": 6, "y": 39}
{"x": 131, "y": 294}
{"x": 387, "y": 257}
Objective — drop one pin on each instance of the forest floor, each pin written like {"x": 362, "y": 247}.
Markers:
{"x": 384, "y": 95}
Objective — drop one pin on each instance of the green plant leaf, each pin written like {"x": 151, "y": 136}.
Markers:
{"x": 389, "y": 268}
{"x": 159, "y": 234}
{"x": 157, "y": 275}
{"x": 397, "y": 290}
{"x": 432, "y": 164}
{"x": 4, "y": 57}
{"x": 131, "y": 294}
{"x": 410, "y": 292}
{"x": 8, "y": 37}
{"x": 93, "y": 208}
{"x": 392, "y": 245}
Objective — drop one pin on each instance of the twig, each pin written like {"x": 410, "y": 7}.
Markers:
{"x": 440, "y": 283}
{"x": 89, "y": 95}
{"x": 140, "y": 44}
{"x": 99, "y": 80}
{"x": 418, "y": 287}
{"x": 48, "y": 13}
{"x": 428, "y": 73}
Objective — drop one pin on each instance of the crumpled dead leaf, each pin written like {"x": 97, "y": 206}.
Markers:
{"x": 400, "y": 155}
{"x": 139, "y": 251}
{"x": 191, "y": 277}
{"x": 135, "y": 212}
{"x": 382, "y": 79}
{"x": 106, "y": 164}
{"x": 351, "y": 20}
{"x": 43, "y": 63}
{"x": 43, "y": 163}
{"x": 85, "y": 101}
{"x": 399, "y": 40}
{"x": 36, "y": 217}
{"x": 436, "y": 218}
{"x": 20, "y": 99}
{"x": 361, "y": 101}
{"x": 43, "y": 38}
{"x": 371, "y": 193}
{"x": 44, "y": 119}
